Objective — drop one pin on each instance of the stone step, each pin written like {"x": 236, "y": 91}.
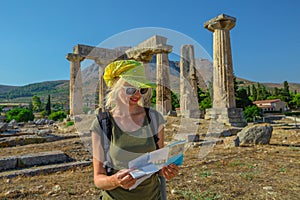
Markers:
{"x": 44, "y": 169}
{"x": 34, "y": 159}
{"x": 31, "y": 139}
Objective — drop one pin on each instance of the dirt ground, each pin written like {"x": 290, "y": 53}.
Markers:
{"x": 254, "y": 172}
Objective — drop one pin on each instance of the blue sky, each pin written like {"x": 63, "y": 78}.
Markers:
{"x": 36, "y": 35}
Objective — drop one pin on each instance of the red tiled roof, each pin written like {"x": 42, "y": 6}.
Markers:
{"x": 266, "y": 101}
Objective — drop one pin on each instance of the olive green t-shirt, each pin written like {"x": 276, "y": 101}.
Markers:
{"x": 126, "y": 146}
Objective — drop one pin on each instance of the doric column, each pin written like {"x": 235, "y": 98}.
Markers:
{"x": 188, "y": 82}
{"x": 75, "y": 103}
{"x": 143, "y": 55}
{"x": 163, "y": 91}
{"x": 224, "y": 108}
{"x": 102, "y": 86}
{"x": 223, "y": 87}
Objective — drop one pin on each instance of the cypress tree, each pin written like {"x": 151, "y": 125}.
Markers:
{"x": 48, "y": 106}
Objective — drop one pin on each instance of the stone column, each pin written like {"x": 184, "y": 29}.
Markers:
{"x": 163, "y": 92}
{"x": 76, "y": 106}
{"x": 224, "y": 107}
{"x": 188, "y": 83}
{"x": 102, "y": 86}
{"x": 143, "y": 55}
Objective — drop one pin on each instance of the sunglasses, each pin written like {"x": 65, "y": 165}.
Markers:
{"x": 132, "y": 90}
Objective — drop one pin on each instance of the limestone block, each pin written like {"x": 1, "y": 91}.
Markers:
{"x": 42, "y": 158}
{"x": 257, "y": 134}
{"x": 8, "y": 163}
{"x": 3, "y": 127}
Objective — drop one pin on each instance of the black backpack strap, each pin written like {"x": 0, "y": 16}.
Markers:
{"x": 106, "y": 137}
{"x": 153, "y": 121}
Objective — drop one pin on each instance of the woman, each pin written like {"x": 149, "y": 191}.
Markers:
{"x": 131, "y": 135}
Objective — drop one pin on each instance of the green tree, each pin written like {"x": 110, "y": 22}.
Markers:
{"x": 254, "y": 93}
{"x": 252, "y": 112}
{"x": 48, "y": 106}
{"x": 153, "y": 98}
{"x": 286, "y": 96}
{"x": 57, "y": 116}
{"x": 242, "y": 99}
{"x": 248, "y": 91}
{"x": 20, "y": 115}
{"x": 37, "y": 104}
{"x": 296, "y": 101}
{"x": 204, "y": 99}
{"x": 175, "y": 100}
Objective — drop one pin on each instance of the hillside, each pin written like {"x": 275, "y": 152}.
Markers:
{"x": 292, "y": 86}
{"x": 6, "y": 88}
{"x": 59, "y": 91}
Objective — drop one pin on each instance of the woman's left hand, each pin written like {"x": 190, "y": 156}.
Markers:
{"x": 170, "y": 171}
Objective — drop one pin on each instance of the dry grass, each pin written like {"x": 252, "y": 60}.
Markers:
{"x": 255, "y": 172}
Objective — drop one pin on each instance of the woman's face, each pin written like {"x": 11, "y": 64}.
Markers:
{"x": 129, "y": 95}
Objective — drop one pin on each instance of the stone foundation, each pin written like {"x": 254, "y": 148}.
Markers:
{"x": 228, "y": 116}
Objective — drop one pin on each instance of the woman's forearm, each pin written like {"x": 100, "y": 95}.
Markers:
{"x": 105, "y": 182}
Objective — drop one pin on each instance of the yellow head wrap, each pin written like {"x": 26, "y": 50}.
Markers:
{"x": 130, "y": 70}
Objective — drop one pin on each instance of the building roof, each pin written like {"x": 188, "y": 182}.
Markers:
{"x": 266, "y": 101}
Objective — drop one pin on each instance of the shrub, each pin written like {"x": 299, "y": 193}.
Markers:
{"x": 70, "y": 123}
{"x": 292, "y": 113}
{"x": 20, "y": 115}
{"x": 252, "y": 111}
{"x": 57, "y": 116}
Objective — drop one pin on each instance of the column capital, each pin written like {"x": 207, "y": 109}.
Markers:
{"x": 145, "y": 54}
{"x": 222, "y": 21}
{"x": 74, "y": 57}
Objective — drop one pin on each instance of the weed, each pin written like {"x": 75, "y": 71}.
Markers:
{"x": 282, "y": 170}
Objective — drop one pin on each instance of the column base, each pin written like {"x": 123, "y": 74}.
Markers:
{"x": 228, "y": 116}
{"x": 191, "y": 114}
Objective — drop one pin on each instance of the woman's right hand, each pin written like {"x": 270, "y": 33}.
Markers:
{"x": 123, "y": 179}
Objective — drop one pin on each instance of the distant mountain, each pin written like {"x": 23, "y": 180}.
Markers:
{"x": 292, "y": 86}
{"x": 6, "y": 88}
{"x": 58, "y": 90}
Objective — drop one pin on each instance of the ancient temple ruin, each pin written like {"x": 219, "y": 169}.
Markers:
{"x": 224, "y": 107}
{"x": 102, "y": 56}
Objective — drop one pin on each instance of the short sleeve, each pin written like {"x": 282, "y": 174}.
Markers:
{"x": 161, "y": 119}
{"x": 95, "y": 127}
{"x": 96, "y": 131}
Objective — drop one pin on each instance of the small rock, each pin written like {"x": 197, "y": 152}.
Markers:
{"x": 8, "y": 180}
{"x": 269, "y": 188}
{"x": 174, "y": 191}
{"x": 56, "y": 188}
{"x": 40, "y": 187}
{"x": 13, "y": 192}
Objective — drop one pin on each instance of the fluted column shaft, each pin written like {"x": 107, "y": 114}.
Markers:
{"x": 75, "y": 103}
{"x": 223, "y": 78}
{"x": 163, "y": 92}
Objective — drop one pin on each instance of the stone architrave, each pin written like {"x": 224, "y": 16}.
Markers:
{"x": 75, "y": 103}
{"x": 188, "y": 83}
{"x": 224, "y": 108}
{"x": 102, "y": 56}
